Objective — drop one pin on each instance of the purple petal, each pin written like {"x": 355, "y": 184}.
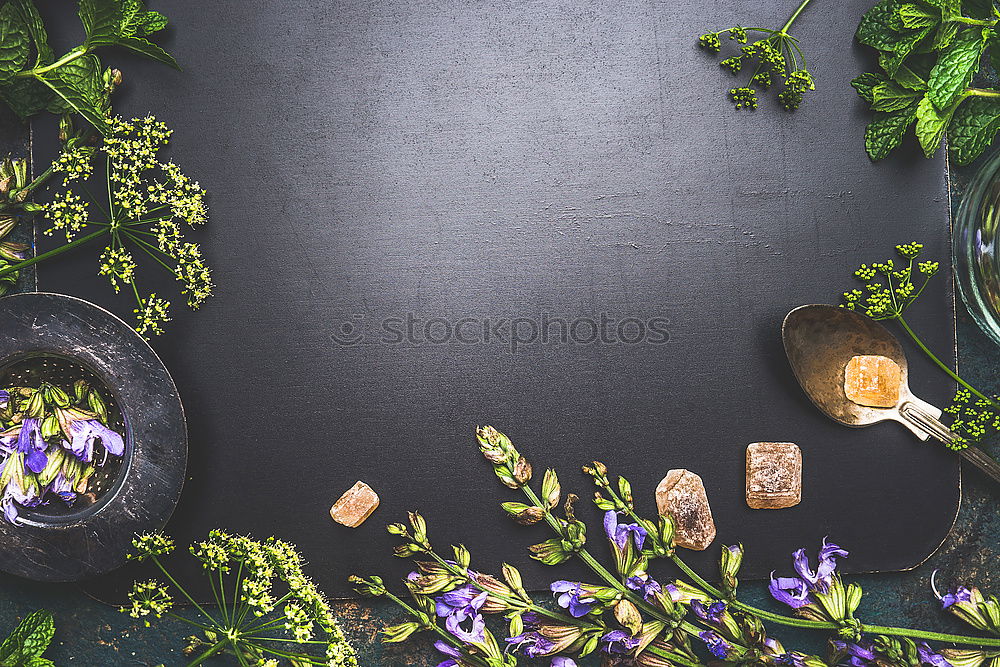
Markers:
{"x": 36, "y": 461}
{"x": 789, "y": 590}
{"x": 447, "y": 649}
{"x": 563, "y": 586}
{"x": 611, "y": 525}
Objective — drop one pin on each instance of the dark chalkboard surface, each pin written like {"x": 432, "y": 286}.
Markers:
{"x": 397, "y": 186}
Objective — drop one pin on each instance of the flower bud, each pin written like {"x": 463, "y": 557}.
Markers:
{"x": 399, "y": 633}
{"x": 550, "y": 552}
{"x": 513, "y": 577}
{"x": 7, "y": 223}
{"x": 419, "y": 527}
{"x": 522, "y": 471}
{"x": 627, "y": 614}
{"x": 729, "y": 566}
{"x": 550, "y": 488}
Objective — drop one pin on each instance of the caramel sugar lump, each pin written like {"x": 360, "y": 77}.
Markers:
{"x": 681, "y": 495}
{"x": 356, "y": 505}
{"x": 872, "y": 380}
{"x": 774, "y": 475}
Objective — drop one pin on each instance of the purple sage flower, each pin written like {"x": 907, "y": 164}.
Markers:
{"x": 63, "y": 488}
{"x": 32, "y": 445}
{"x": 858, "y": 655}
{"x": 461, "y": 606}
{"x": 449, "y": 651}
{"x": 561, "y": 661}
{"x": 4, "y": 398}
{"x": 530, "y": 644}
{"x": 620, "y": 532}
{"x": 86, "y": 432}
{"x": 571, "y": 596}
{"x": 644, "y": 583}
{"x": 795, "y": 591}
{"x": 712, "y": 613}
{"x": 957, "y": 595}
{"x": 717, "y": 646}
{"x": 618, "y": 642}
{"x": 929, "y": 656}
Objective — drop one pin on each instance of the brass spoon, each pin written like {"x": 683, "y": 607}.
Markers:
{"x": 820, "y": 340}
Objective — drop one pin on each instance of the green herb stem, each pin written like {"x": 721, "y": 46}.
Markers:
{"x": 943, "y": 366}
{"x": 795, "y": 15}
{"x": 52, "y": 253}
{"x": 218, "y": 646}
{"x": 982, "y": 92}
{"x": 69, "y": 57}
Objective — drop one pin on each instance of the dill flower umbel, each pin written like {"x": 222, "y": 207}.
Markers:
{"x": 267, "y": 608}
{"x": 150, "y": 205}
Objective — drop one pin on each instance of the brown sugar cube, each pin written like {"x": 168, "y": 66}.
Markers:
{"x": 774, "y": 475}
{"x": 356, "y": 505}
{"x": 681, "y": 495}
{"x": 872, "y": 380}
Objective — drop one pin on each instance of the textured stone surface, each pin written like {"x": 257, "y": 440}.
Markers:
{"x": 774, "y": 475}
{"x": 872, "y": 380}
{"x": 681, "y": 494}
{"x": 356, "y": 505}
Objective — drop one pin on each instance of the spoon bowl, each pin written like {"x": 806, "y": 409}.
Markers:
{"x": 820, "y": 340}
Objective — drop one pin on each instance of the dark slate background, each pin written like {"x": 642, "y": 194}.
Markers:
{"x": 502, "y": 160}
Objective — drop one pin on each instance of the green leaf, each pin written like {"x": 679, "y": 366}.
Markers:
{"x": 148, "y": 49}
{"x": 31, "y": 18}
{"x": 881, "y": 25}
{"x": 907, "y": 78}
{"x": 892, "y": 60}
{"x": 25, "y": 96}
{"x": 993, "y": 44}
{"x": 956, "y": 66}
{"x": 15, "y": 42}
{"x": 973, "y": 127}
{"x": 890, "y": 96}
{"x": 80, "y": 86}
{"x": 917, "y": 16}
{"x": 979, "y": 9}
{"x": 138, "y": 22}
{"x": 931, "y": 124}
{"x": 29, "y": 639}
{"x": 38, "y": 661}
{"x": 865, "y": 83}
{"x": 945, "y": 33}
{"x": 885, "y": 131}
{"x": 102, "y": 21}
{"x": 949, "y": 8}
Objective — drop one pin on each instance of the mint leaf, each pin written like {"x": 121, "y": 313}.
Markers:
{"x": 38, "y": 661}
{"x": 80, "y": 86}
{"x": 907, "y": 78}
{"x": 950, "y": 9}
{"x": 29, "y": 639}
{"x": 148, "y": 49}
{"x": 890, "y": 96}
{"x": 880, "y": 26}
{"x": 31, "y": 18}
{"x": 945, "y": 33}
{"x": 979, "y": 9}
{"x": 101, "y": 20}
{"x": 993, "y": 44}
{"x": 892, "y": 60}
{"x": 25, "y": 96}
{"x": 917, "y": 16}
{"x": 138, "y": 22}
{"x": 931, "y": 124}
{"x": 973, "y": 127}
{"x": 865, "y": 83}
{"x": 885, "y": 131}
{"x": 956, "y": 66}
{"x": 15, "y": 44}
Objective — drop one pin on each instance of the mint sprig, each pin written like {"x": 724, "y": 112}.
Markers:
{"x": 929, "y": 52}
{"x": 29, "y": 640}
{"x": 32, "y": 79}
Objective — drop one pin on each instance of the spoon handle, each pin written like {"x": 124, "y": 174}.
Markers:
{"x": 933, "y": 426}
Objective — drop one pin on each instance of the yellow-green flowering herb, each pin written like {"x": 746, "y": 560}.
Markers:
{"x": 267, "y": 611}
{"x": 773, "y": 60}
{"x": 889, "y": 290}
{"x": 150, "y": 203}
